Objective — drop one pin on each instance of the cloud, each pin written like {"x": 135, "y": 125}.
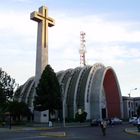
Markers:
{"x": 106, "y": 42}
{"x": 22, "y": 1}
{"x": 104, "y": 38}
{"x": 111, "y": 43}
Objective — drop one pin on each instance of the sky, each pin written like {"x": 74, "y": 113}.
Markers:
{"x": 112, "y": 30}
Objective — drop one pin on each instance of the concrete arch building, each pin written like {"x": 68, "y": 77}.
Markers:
{"x": 94, "y": 89}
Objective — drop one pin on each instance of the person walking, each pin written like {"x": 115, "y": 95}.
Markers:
{"x": 103, "y": 126}
{"x": 138, "y": 124}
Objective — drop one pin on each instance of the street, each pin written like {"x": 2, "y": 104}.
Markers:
{"x": 76, "y": 133}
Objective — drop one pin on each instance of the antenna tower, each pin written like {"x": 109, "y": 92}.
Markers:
{"x": 82, "y": 49}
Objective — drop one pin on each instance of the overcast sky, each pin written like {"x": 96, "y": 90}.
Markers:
{"x": 112, "y": 30}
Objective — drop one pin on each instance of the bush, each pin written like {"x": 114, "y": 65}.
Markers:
{"x": 81, "y": 117}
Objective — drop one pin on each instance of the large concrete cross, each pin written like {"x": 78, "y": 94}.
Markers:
{"x": 42, "y": 39}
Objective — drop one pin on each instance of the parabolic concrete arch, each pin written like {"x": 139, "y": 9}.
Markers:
{"x": 94, "y": 89}
{"x": 103, "y": 88}
{"x": 92, "y": 100}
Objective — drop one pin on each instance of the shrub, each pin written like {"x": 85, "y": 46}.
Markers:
{"x": 81, "y": 117}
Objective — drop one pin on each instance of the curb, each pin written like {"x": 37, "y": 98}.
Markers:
{"x": 24, "y": 129}
{"x": 54, "y": 134}
{"x": 132, "y": 131}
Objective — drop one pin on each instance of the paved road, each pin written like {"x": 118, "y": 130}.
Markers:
{"x": 77, "y": 133}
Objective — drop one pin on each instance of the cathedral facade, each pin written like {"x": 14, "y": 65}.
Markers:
{"x": 93, "y": 89}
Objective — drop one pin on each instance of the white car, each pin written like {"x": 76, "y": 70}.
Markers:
{"x": 116, "y": 121}
{"x": 133, "y": 120}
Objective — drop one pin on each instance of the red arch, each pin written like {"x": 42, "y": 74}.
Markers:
{"x": 112, "y": 94}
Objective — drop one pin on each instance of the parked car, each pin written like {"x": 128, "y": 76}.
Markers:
{"x": 132, "y": 120}
{"x": 135, "y": 122}
{"x": 95, "y": 122}
{"x": 116, "y": 121}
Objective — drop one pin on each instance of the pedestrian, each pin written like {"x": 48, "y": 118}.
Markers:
{"x": 138, "y": 124}
{"x": 50, "y": 124}
{"x": 110, "y": 122}
{"x": 103, "y": 126}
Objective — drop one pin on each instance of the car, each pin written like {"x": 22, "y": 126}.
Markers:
{"x": 135, "y": 123}
{"x": 133, "y": 120}
{"x": 95, "y": 122}
{"x": 116, "y": 121}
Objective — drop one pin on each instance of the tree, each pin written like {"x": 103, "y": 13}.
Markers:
{"x": 18, "y": 110}
{"x": 7, "y": 86}
{"x": 48, "y": 93}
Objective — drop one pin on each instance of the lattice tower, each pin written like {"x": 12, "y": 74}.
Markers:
{"x": 82, "y": 49}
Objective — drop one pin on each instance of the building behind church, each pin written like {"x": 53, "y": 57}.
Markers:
{"x": 130, "y": 106}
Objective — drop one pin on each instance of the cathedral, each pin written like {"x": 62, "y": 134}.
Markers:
{"x": 93, "y": 89}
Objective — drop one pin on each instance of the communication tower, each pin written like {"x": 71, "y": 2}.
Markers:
{"x": 82, "y": 49}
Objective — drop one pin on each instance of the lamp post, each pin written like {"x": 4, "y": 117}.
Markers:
{"x": 130, "y": 107}
{"x": 129, "y": 94}
{"x": 9, "y": 115}
{"x": 63, "y": 102}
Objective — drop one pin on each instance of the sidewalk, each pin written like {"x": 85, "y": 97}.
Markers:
{"x": 47, "y": 133}
{"x": 60, "y": 125}
{"x": 37, "y": 126}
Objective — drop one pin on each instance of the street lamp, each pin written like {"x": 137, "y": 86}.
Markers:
{"x": 63, "y": 100}
{"x": 9, "y": 115}
{"x": 129, "y": 94}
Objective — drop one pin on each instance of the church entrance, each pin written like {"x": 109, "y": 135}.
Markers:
{"x": 103, "y": 113}
{"x": 112, "y": 94}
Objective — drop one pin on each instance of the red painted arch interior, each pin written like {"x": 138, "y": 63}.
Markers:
{"x": 112, "y": 95}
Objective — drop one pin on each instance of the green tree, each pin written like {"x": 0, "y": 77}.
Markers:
{"x": 18, "y": 110}
{"x": 48, "y": 94}
{"x": 7, "y": 86}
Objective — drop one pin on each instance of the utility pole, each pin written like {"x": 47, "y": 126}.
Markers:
{"x": 63, "y": 103}
{"x": 129, "y": 103}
